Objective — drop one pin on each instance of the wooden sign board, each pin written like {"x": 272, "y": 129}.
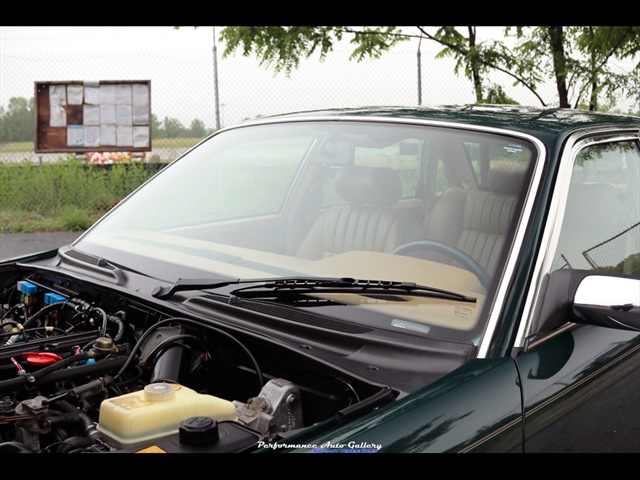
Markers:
{"x": 90, "y": 116}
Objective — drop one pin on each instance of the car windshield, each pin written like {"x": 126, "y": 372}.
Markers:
{"x": 369, "y": 201}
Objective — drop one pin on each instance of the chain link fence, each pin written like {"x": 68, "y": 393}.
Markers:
{"x": 197, "y": 83}
{"x": 618, "y": 253}
{"x": 190, "y": 81}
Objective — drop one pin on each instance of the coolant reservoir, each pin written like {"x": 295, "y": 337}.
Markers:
{"x": 156, "y": 412}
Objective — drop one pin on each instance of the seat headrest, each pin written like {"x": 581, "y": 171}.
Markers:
{"x": 507, "y": 179}
{"x": 359, "y": 185}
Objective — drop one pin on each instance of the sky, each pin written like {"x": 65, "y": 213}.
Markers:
{"x": 179, "y": 64}
{"x": 164, "y": 54}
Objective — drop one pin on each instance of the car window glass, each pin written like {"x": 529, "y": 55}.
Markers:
{"x": 442, "y": 180}
{"x": 269, "y": 165}
{"x": 402, "y": 157}
{"x": 485, "y": 156}
{"x": 601, "y": 229}
{"x": 265, "y": 167}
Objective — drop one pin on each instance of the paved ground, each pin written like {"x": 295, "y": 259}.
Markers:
{"x": 17, "y": 244}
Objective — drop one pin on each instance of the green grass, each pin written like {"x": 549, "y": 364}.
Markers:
{"x": 29, "y": 222}
{"x": 67, "y": 195}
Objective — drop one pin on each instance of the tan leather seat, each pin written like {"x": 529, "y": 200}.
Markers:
{"x": 477, "y": 221}
{"x": 367, "y": 222}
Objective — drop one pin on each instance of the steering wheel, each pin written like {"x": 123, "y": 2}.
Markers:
{"x": 454, "y": 253}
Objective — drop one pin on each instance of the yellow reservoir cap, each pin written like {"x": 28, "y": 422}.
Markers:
{"x": 159, "y": 392}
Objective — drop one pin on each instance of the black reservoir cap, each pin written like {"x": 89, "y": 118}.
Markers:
{"x": 198, "y": 430}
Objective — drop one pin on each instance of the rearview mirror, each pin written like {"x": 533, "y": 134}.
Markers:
{"x": 333, "y": 152}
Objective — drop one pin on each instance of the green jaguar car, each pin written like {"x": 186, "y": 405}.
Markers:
{"x": 372, "y": 280}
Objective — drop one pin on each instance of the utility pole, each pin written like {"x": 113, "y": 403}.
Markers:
{"x": 215, "y": 79}
{"x": 419, "y": 74}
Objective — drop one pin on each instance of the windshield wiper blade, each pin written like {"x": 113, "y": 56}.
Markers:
{"x": 270, "y": 287}
{"x": 301, "y": 286}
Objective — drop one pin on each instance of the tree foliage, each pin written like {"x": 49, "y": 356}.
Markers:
{"x": 581, "y": 60}
{"x": 156, "y": 127}
{"x": 197, "y": 129}
{"x": 173, "y": 128}
{"x": 284, "y": 47}
{"x": 17, "y": 121}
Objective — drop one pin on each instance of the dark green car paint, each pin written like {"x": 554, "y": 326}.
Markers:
{"x": 462, "y": 411}
{"x": 477, "y": 408}
{"x": 583, "y": 400}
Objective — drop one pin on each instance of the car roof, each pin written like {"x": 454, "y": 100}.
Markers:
{"x": 541, "y": 122}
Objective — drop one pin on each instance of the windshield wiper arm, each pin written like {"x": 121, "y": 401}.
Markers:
{"x": 269, "y": 287}
{"x": 185, "y": 284}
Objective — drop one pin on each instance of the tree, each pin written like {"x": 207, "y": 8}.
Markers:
{"x": 17, "y": 121}
{"x": 156, "y": 127}
{"x": 173, "y": 128}
{"x": 580, "y": 60}
{"x": 284, "y": 47}
{"x": 197, "y": 129}
{"x": 576, "y": 57}
{"x": 599, "y": 44}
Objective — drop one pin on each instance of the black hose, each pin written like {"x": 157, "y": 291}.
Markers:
{"x": 162, "y": 346}
{"x": 43, "y": 311}
{"x": 14, "y": 447}
{"x": 106, "y": 365}
{"x": 103, "y": 329}
{"x": 121, "y": 325}
{"x": 24, "y": 380}
{"x": 198, "y": 324}
{"x": 77, "y": 419}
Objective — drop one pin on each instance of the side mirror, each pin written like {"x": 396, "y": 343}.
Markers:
{"x": 588, "y": 297}
{"x": 608, "y": 301}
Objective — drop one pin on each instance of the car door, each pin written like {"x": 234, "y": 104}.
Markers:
{"x": 581, "y": 383}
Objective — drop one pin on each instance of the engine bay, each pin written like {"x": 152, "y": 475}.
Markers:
{"x": 87, "y": 368}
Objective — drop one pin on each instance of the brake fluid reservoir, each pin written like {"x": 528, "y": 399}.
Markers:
{"x": 156, "y": 412}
